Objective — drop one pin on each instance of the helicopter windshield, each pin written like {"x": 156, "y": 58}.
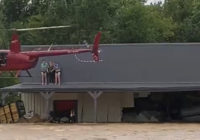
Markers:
{"x": 3, "y": 59}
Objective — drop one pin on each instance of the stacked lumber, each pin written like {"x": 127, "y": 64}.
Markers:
{"x": 8, "y": 114}
{"x": 14, "y": 111}
{"x": 2, "y": 116}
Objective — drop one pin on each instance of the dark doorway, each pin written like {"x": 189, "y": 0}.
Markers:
{"x": 65, "y": 108}
{"x": 165, "y": 107}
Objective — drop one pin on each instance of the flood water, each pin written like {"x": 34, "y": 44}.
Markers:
{"x": 115, "y": 131}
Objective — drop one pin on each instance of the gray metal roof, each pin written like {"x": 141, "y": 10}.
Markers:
{"x": 154, "y": 66}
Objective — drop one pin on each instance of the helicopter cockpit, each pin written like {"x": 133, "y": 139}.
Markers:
{"x": 3, "y": 59}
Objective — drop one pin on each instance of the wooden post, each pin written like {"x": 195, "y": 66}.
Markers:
{"x": 95, "y": 95}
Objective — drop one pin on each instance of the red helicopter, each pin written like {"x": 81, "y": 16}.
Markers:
{"x": 17, "y": 60}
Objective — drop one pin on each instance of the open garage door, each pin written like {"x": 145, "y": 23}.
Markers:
{"x": 66, "y": 109}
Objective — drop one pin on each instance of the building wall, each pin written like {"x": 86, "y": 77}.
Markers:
{"x": 34, "y": 102}
{"x": 109, "y": 105}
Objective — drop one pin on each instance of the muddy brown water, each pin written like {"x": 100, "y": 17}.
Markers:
{"x": 118, "y": 131}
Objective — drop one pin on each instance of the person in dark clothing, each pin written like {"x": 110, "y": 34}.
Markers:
{"x": 51, "y": 72}
{"x": 72, "y": 116}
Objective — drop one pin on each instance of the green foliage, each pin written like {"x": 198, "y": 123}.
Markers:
{"x": 122, "y": 21}
{"x": 191, "y": 26}
{"x": 3, "y": 35}
{"x": 12, "y": 97}
{"x": 140, "y": 23}
{"x": 178, "y": 9}
{"x": 15, "y": 10}
{"x": 7, "y": 80}
{"x": 181, "y": 11}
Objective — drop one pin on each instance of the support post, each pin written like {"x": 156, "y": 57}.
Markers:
{"x": 46, "y": 96}
{"x": 95, "y": 95}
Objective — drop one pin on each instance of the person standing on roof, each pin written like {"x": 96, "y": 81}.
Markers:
{"x": 57, "y": 74}
{"x": 51, "y": 72}
{"x": 44, "y": 67}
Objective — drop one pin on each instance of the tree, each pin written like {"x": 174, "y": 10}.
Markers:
{"x": 15, "y": 9}
{"x": 120, "y": 21}
{"x": 4, "y": 82}
{"x": 139, "y": 23}
{"x": 179, "y": 11}
{"x": 191, "y": 25}
{"x": 86, "y": 17}
{"x": 3, "y": 35}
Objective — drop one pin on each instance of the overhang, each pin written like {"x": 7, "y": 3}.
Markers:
{"x": 105, "y": 87}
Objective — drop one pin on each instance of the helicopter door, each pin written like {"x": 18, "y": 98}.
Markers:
{"x": 3, "y": 59}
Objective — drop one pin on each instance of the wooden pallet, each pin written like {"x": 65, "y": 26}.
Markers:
{"x": 2, "y": 111}
{"x": 13, "y": 108}
{"x": 3, "y": 119}
{"x": 9, "y": 113}
{"x": 9, "y": 118}
{"x": 14, "y": 111}
{"x": 15, "y": 117}
{"x": 6, "y": 109}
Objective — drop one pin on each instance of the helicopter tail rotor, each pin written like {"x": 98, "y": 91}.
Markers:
{"x": 95, "y": 49}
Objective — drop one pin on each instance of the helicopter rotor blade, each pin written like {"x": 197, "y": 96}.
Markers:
{"x": 39, "y": 28}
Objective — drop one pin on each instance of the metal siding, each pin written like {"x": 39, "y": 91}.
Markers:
{"x": 88, "y": 109}
{"x": 127, "y": 100}
{"x": 114, "y": 113}
{"x": 103, "y": 107}
{"x": 38, "y": 104}
{"x": 32, "y": 102}
{"x": 80, "y": 107}
{"x": 109, "y": 105}
{"x": 42, "y": 100}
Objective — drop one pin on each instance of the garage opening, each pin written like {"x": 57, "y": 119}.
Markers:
{"x": 164, "y": 107}
{"x": 65, "y": 111}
